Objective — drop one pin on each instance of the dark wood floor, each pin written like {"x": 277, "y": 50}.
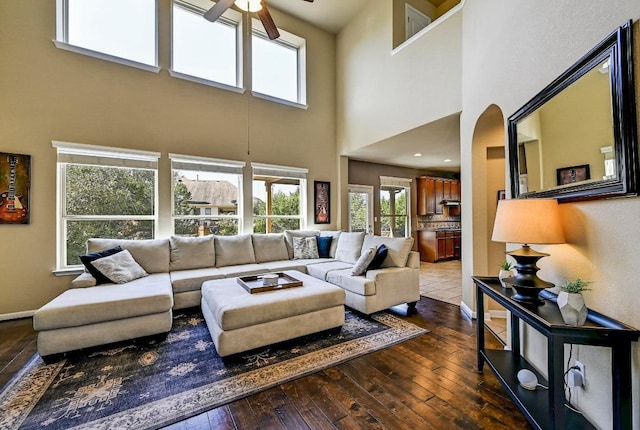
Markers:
{"x": 429, "y": 382}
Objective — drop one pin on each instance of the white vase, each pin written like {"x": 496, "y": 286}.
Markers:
{"x": 505, "y": 274}
{"x": 572, "y": 308}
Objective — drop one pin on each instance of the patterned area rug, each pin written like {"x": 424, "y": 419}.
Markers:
{"x": 151, "y": 383}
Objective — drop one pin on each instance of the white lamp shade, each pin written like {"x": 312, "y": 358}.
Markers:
{"x": 528, "y": 221}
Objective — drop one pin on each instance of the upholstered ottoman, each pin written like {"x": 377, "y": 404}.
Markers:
{"x": 239, "y": 321}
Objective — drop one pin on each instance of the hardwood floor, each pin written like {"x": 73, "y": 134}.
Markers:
{"x": 429, "y": 382}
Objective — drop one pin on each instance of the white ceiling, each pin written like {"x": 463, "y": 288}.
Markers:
{"x": 330, "y": 15}
{"x": 437, "y": 141}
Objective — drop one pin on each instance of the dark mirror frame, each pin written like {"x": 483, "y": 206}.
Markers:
{"x": 619, "y": 47}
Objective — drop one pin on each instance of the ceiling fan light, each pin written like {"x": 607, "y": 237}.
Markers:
{"x": 249, "y": 5}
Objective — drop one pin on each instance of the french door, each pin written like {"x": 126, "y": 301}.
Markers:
{"x": 361, "y": 208}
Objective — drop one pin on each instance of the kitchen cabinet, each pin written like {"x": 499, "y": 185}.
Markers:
{"x": 439, "y": 245}
{"x": 432, "y": 191}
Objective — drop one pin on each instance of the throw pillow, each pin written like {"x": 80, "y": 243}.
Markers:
{"x": 88, "y": 258}
{"x": 324, "y": 246}
{"x": 398, "y": 248}
{"x": 119, "y": 268}
{"x": 191, "y": 252}
{"x": 305, "y": 247}
{"x": 363, "y": 262}
{"x": 378, "y": 259}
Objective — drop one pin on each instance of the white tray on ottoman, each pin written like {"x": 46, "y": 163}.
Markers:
{"x": 239, "y": 321}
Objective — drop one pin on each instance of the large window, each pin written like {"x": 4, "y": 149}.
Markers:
{"x": 103, "y": 192}
{"x": 279, "y": 196}
{"x": 119, "y": 30}
{"x": 395, "y": 197}
{"x": 207, "y": 196}
{"x": 203, "y": 51}
{"x": 278, "y": 66}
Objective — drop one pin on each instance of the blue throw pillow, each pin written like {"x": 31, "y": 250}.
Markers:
{"x": 88, "y": 258}
{"x": 324, "y": 245}
{"x": 381, "y": 254}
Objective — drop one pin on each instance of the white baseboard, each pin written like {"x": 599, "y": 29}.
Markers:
{"x": 16, "y": 315}
{"x": 467, "y": 310}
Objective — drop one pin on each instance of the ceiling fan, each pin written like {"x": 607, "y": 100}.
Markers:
{"x": 258, "y": 6}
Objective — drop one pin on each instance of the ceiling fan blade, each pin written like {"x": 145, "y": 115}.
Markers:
{"x": 218, "y": 9}
{"x": 267, "y": 22}
{"x": 310, "y": 1}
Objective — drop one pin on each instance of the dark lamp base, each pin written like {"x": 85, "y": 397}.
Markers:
{"x": 526, "y": 282}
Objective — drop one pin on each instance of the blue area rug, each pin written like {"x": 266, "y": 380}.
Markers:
{"x": 148, "y": 384}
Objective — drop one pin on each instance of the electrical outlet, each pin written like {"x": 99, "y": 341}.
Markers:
{"x": 576, "y": 376}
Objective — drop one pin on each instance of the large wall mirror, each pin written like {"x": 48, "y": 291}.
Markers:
{"x": 576, "y": 139}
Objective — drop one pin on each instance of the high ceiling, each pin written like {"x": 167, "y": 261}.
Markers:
{"x": 437, "y": 141}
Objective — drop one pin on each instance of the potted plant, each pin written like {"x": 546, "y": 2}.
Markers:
{"x": 571, "y": 302}
{"x": 506, "y": 271}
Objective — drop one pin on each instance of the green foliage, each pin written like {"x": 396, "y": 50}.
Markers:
{"x": 281, "y": 204}
{"x": 181, "y": 198}
{"x": 576, "y": 286}
{"x": 107, "y": 191}
{"x": 506, "y": 265}
{"x": 358, "y": 212}
{"x": 398, "y": 217}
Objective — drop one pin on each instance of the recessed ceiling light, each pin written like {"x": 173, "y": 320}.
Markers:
{"x": 447, "y": 160}
{"x": 417, "y": 154}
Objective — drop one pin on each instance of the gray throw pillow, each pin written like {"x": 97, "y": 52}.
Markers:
{"x": 363, "y": 262}
{"x": 305, "y": 248}
{"x": 119, "y": 268}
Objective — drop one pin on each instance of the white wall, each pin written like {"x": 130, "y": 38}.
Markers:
{"x": 511, "y": 50}
{"x": 383, "y": 93}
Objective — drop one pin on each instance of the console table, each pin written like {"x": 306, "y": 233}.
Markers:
{"x": 545, "y": 409}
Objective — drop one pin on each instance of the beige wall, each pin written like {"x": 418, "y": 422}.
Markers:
{"x": 529, "y": 44}
{"x": 380, "y": 93}
{"x": 51, "y": 94}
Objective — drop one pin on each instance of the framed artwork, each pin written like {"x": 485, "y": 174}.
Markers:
{"x": 501, "y": 195}
{"x": 321, "y": 202}
{"x": 569, "y": 175}
{"x": 15, "y": 188}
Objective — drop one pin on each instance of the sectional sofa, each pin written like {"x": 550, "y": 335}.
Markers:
{"x": 174, "y": 269}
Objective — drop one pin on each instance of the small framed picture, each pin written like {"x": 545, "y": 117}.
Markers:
{"x": 15, "y": 188}
{"x": 569, "y": 175}
{"x": 321, "y": 202}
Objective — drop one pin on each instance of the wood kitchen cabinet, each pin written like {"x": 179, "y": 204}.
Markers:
{"x": 432, "y": 191}
{"x": 439, "y": 245}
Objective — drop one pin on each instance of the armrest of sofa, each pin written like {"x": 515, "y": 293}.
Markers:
{"x": 83, "y": 281}
{"x": 413, "y": 262}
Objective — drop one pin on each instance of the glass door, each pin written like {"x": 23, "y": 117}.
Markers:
{"x": 361, "y": 208}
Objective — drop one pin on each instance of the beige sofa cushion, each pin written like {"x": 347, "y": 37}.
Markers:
{"x": 151, "y": 254}
{"x": 192, "y": 279}
{"x": 349, "y": 247}
{"x": 234, "y": 250}
{"x": 269, "y": 247}
{"x": 398, "y": 247}
{"x": 107, "y": 302}
{"x": 356, "y": 284}
{"x": 290, "y": 234}
{"x": 192, "y": 252}
{"x": 320, "y": 270}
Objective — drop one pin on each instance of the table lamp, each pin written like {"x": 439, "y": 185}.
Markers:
{"x": 528, "y": 221}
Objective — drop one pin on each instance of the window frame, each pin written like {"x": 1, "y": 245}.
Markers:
{"x": 273, "y": 170}
{"x": 231, "y": 18}
{"x": 290, "y": 41}
{"x": 212, "y": 165}
{"x": 104, "y": 156}
{"x": 62, "y": 40}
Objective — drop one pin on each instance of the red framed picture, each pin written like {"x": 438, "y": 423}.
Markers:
{"x": 15, "y": 188}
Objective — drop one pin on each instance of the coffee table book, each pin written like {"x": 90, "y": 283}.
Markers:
{"x": 253, "y": 284}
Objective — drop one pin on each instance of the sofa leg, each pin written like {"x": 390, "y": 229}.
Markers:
{"x": 411, "y": 307}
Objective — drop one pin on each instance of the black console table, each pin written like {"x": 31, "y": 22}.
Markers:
{"x": 545, "y": 409}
